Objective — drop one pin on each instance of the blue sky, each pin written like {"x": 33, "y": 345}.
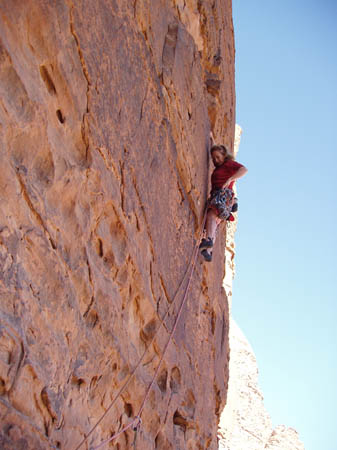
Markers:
{"x": 285, "y": 294}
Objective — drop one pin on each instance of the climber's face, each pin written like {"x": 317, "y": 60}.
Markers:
{"x": 218, "y": 158}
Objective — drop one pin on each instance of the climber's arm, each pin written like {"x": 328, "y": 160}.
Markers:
{"x": 238, "y": 174}
{"x": 211, "y": 138}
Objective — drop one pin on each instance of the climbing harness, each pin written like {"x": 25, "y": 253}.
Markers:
{"x": 136, "y": 422}
{"x": 222, "y": 201}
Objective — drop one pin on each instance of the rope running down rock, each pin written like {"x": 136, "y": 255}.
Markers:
{"x": 137, "y": 420}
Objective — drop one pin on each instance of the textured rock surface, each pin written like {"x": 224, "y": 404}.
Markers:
{"x": 105, "y": 111}
{"x": 284, "y": 438}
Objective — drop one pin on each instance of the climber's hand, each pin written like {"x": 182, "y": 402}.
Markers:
{"x": 226, "y": 185}
{"x": 211, "y": 138}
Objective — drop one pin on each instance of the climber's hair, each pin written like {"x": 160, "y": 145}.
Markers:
{"x": 223, "y": 150}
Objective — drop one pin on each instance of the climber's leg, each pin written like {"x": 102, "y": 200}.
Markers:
{"x": 211, "y": 224}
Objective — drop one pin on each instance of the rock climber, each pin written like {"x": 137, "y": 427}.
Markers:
{"x": 222, "y": 201}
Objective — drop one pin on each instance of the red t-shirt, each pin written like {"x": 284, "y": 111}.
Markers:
{"x": 221, "y": 174}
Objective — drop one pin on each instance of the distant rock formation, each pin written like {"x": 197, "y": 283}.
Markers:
{"x": 105, "y": 114}
{"x": 245, "y": 422}
{"x": 283, "y": 438}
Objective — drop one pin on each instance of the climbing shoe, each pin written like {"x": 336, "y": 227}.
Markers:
{"x": 235, "y": 206}
{"x": 207, "y": 256}
{"x": 206, "y": 243}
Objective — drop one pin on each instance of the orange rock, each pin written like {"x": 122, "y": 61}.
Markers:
{"x": 103, "y": 182}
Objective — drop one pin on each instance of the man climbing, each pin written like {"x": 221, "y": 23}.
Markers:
{"x": 221, "y": 202}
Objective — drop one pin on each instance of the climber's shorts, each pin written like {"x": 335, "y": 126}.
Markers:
{"x": 221, "y": 202}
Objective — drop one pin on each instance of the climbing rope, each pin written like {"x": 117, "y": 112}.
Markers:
{"x": 135, "y": 423}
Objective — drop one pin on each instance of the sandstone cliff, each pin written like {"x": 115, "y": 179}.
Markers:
{"x": 105, "y": 112}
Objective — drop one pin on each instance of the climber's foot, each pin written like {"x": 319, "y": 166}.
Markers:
{"x": 207, "y": 256}
{"x": 206, "y": 243}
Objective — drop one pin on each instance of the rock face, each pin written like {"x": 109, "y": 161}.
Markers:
{"x": 283, "y": 438}
{"x": 105, "y": 112}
